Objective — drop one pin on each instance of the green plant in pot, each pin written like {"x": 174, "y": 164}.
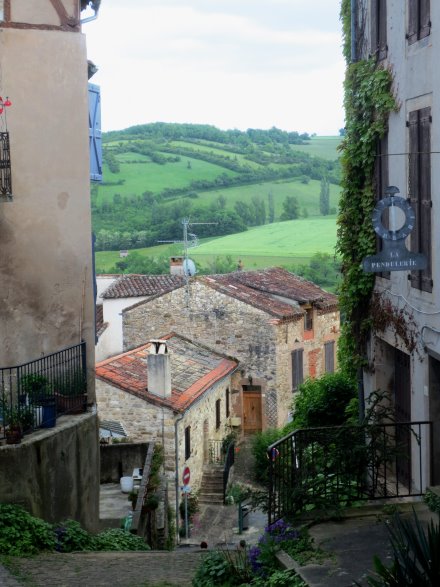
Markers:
{"x": 36, "y": 387}
{"x": 14, "y": 431}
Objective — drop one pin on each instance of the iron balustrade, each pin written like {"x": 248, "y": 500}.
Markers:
{"x": 216, "y": 452}
{"x": 323, "y": 468}
{"x": 229, "y": 461}
{"x": 58, "y": 379}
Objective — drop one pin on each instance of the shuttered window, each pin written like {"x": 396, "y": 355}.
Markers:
{"x": 419, "y": 192}
{"x": 217, "y": 413}
{"x": 381, "y": 182}
{"x": 227, "y": 402}
{"x": 419, "y": 20}
{"x": 5, "y": 168}
{"x": 95, "y": 139}
{"x": 329, "y": 356}
{"x": 379, "y": 46}
{"x": 187, "y": 442}
{"x": 297, "y": 368}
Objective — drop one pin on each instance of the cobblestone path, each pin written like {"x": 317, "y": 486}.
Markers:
{"x": 105, "y": 569}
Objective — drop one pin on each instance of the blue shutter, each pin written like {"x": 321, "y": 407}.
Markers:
{"x": 95, "y": 140}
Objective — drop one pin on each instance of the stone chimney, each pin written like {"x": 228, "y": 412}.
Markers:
{"x": 159, "y": 369}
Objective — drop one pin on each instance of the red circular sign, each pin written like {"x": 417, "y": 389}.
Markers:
{"x": 186, "y": 475}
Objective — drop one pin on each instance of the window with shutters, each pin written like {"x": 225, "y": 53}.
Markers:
{"x": 187, "y": 442}
{"x": 95, "y": 139}
{"x": 227, "y": 402}
{"x": 5, "y": 168}
{"x": 217, "y": 413}
{"x": 381, "y": 183}
{"x": 329, "y": 356}
{"x": 419, "y": 192}
{"x": 297, "y": 368}
{"x": 379, "y": 46}
{"x": 308, "y": 319}
{"x": 419, "y": 20}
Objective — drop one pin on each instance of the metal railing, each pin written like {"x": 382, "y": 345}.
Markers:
{"x": 216, "y": 452}
{"x": 54, "y": 384}
{"x": 229, "y": 461}
{"x": 323, "y": 468}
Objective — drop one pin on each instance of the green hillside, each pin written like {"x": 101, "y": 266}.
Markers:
{"x": 157, "y": 174}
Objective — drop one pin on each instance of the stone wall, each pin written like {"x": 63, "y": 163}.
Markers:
{"x": 262, "y": 344}
{"x": 146, "y": 422}
{"x": 54, "y": 473}
{"x": 119, "y": 459}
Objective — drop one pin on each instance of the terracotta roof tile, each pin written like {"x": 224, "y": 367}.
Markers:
{"x": 129, "y": 286}
{"x": 274, "y": 290}
{"x": 194, "y": 369}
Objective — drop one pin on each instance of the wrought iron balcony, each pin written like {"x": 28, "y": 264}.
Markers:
{"x": 32, "y": 395}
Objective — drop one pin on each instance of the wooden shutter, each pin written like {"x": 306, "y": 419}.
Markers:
{"x": 5, "y": 168}
{"x": 329, "y": 355}
{"x": 187, "y": 442}
{"x": 382, "y": 29}
{"x": 374, "y": 24}
{"x": 424, "y": 18}
{"x": 95, "y": 139}
{"x": 227, "y": 402}
{"x": 217, "y": 414}
{"x": 425, "y": 195}
{"x": 297, "y": 368}
{"x": 413, "y": 21}
{"x": 419, "y": 191}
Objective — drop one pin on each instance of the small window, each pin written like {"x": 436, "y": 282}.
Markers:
{"x": 187, "y": 442}
{"x": 5, "y": 168}
{"x": 379, "y": 29}
{"x": 227, "y": 402}
{"x": 419, "y": 20}
{"x": 217, "y": 413}
{"x": 329, "y": 355}
{"x": 297, "y": 368}
{"x": 308, "y": 319}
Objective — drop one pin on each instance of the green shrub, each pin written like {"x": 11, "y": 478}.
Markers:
{"x": 322, "y": 401}
{"x": 71, "y": 537}
{"x": 224, "y": 568}
{"x": 21, "y": 534}
{"x": 118, "y": 539}
{"x": 260, "y": 442}
{"x": 279, "y": 579}
{"x": 432, "y": 500}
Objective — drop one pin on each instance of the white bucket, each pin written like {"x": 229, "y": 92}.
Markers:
{"x": 126, "y": 484}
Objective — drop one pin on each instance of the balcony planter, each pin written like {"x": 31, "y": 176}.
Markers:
{"x": 70, "y": 404}
{"x": 14, "y": 432}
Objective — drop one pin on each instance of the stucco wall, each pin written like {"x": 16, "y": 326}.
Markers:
{"x": 232, "y": 327}
{"x": 45, "y": 232}
{"x": 54, "y": 473}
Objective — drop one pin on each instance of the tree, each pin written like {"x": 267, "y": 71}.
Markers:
{"x": 324, "y": 197}
{"x": 259, "y": 210}
{"x": 271, "y": 207}
{"x": 291, "y": 208}
{"x": 323, "y": 269}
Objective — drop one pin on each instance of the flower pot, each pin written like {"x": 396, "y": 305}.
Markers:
{"x": 13, "y": 435}
{"x": 49, "y": 415}
{"x": 70, "y": 404}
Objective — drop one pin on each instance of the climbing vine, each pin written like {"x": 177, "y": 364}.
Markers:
{"x": 368, "y": 101}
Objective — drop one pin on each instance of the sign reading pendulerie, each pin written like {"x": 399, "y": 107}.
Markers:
{"x": 394, "y": 255}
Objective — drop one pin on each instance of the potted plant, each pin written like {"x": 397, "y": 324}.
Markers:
{"x": 41, "y": 399}
{"x": 70, "y": 394}
{"x": 13, "y": 432}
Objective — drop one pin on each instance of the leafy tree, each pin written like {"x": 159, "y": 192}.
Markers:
{"x": 244, "y": 211}
{"x": 322, "y": 401}
{"x": 323, "y": 269}
{"x": 271, "y": 207}
{"x": 220, "y": 264}
{"x": 259, "y": 210}
{"x": 136, "y": 263}
{"x": 324, "y": 197}
{"x": 291, "y": 208}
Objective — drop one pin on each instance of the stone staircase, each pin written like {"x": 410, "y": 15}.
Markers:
{"x": 211, "y": 488}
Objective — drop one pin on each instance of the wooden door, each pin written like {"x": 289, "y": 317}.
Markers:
{"x": 252, "y": 412}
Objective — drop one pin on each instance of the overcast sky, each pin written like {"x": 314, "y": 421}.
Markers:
{"x": 231, "y": 63}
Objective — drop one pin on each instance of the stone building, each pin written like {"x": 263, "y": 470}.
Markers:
{"x": 175, "y": 392}
{"x": 45, "y": 251}
{"x": 280, "y": 327}
{"x": 117, "y": 292}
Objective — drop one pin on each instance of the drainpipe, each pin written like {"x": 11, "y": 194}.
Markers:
{"x": 176, "y": 447}
{"x": 353, "y": 9}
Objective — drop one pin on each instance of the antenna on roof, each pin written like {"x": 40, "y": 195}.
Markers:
{"x": 190, "y": 241}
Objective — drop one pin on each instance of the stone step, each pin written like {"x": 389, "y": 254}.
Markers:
{"x": 210, "y": 497}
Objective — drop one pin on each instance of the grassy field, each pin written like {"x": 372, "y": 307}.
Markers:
{"x": 283, "y": 243}
{"x": 325, "y": 147}
{"x": 141, "y": 177}
{"x": 306, "y": 194}
{"x": 218, "y": 151}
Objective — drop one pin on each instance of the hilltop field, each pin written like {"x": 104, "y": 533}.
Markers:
{"x": 271, "y": 196}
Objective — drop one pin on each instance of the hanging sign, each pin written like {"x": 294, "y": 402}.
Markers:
{"x": 394, "y": 255}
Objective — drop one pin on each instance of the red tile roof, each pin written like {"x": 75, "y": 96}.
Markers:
{"x": 276, "y": 291}
{"x": 194, "y": 369}
{"x": 129, "y": 286}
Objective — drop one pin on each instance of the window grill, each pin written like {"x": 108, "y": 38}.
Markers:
{"x": 5, "y": 168}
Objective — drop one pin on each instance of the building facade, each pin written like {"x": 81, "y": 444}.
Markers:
{"x": 47, "y": 301}
{"x": 280, "y": 327}
{"x": 403, "y": 36}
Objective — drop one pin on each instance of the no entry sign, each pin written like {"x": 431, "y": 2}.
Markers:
{"x": 186, "y": 475}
